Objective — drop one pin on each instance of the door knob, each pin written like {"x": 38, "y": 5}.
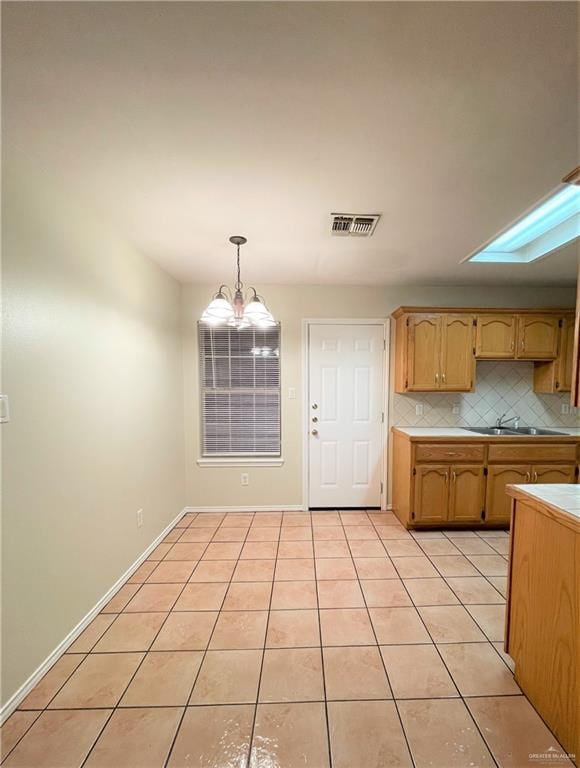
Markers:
{"x": 314, "y": 432}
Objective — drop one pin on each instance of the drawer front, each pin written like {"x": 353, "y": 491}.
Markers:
{"x": 530, "y": 453}
{"x": 449, "y": 452}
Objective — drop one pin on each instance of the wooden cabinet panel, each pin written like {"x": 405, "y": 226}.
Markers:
{"x": 430, "y": 502}
{"x": 457, "y": 360}
{"x": 575, "y": 387}
{"x": 557, "y": 473}
{"x": 495, "y": 336}
{"x": 449, "y": 452}
{"x": 537, "y": 337}
{"x": 527, "y": 453}
{"x": 556, "y": 375}
{"x": 466, "y": 493}
{"x": 423, "y": 352}
{"x": 497, "y": 502}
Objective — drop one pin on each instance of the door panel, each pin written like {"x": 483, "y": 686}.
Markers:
{"x": 495, "y": 336}
{"x": 497, "y": 502}
{"x": 423, "y": 352}
{"x": 345, "y": 410}
{"x": 457, "y": 361}
{"x": 557, "y": 473}
{"x": 537, "y": 337}
{"x": 466, "y": 493}
{"x": 430, "y": 499}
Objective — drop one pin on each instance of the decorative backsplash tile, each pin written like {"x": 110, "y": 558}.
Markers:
{"x": 501, "y": 386}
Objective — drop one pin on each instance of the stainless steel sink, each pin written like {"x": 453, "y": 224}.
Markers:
{"x": 537, "y": 431}
{"x": 504, "y": 431}
{"x": 492, "y": 431}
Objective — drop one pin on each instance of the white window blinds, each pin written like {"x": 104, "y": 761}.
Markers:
{"x": 240, "y": 391}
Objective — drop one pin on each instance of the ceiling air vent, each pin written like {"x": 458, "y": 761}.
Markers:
{"x": 355, "y": 224}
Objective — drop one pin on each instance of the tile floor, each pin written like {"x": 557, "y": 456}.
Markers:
{"x": 278, "y": 640}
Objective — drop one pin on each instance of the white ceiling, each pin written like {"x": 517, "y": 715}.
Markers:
{"x": 183, "y": 123}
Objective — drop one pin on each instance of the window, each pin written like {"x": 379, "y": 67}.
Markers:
{"x": 240, "y": 391}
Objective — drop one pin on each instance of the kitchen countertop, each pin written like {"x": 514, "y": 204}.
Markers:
{"x": 563, "y": 499}
{"x": 426, "y": 433}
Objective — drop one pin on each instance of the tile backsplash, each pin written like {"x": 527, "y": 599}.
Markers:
{"x": 500, "y": 386}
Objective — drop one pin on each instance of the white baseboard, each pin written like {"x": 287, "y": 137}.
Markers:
{"x": 13, "y": 702}
{"x": 268, "y": 508}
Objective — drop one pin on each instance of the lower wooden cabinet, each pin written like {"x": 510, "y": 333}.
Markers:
{"x": 431, "y": 493}
{"x": 448, "y": 493}
{"x": 466, "y": 493}
{"x": 497, "y": 502}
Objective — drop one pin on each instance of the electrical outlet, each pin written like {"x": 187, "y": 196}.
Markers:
{"x": 291, "y": 393}
{"x": 245, "y": 478}
{"x": 455, "y": 410}
{"x": 419, "y": 409}
{"x": 565, "y": 409}
{"x": 139, "y": 518}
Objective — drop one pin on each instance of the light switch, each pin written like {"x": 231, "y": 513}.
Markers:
{"x": 291, "y": 393}
{"x": 4, "y": 409}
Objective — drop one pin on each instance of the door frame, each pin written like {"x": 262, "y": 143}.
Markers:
{"x": 305, "y": 426}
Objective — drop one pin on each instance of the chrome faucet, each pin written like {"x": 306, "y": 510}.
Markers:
{"x": 501, "y": 422}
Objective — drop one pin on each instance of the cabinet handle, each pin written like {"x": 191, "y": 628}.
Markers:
{"x": 436, "y": 378}
{"x": 453, "y": 477}
{"x": 443, "y": 378}
{"x": 535, "y": 477}
{"x": 523, "y": 346}
{"x": 512, "y": 345}
{"x": 527, "y": 477}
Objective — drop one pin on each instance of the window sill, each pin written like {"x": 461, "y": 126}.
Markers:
{"x": 241, "y": 461}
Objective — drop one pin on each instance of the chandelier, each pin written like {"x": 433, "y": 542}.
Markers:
{"x": 237, "y": 310}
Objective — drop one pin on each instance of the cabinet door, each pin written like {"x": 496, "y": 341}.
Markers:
{"x": 457, "y": 359}
{"x": 495, "y": 336}
{"x": 556, "y": 473}
{"x": 565, "y": 358}
{"x": 424, "y": 333}
{"x": 537, "y": 337}
{"x": 430, "y": 499}
{"x": 497, "y": 502}
{"x": 466, "y": 493}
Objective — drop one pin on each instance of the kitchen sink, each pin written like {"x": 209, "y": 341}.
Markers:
{"x": 492, "y": 430}
{"x": 505, "y": 431}
{"x": 536, "y": 431}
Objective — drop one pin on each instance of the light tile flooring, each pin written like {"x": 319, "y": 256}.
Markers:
{"x": 278, "y": 640}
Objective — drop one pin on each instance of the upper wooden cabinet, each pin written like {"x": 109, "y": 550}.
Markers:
{"x": 495, "y": 336}
{"x": 436, "y": 350}
{"x": 537, "y": 337}
{"x": 435, "y": 353}
{"x": 556, "y": 375}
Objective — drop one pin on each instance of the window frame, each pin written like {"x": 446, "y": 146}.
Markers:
{"x": 241, "y": 458}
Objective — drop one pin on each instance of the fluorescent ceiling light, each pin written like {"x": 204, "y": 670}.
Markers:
{"x": 549, "y": 225}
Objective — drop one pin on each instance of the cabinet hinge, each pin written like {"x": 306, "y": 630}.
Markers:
{"x": 557, "y": 385}
{"x": 485, "y": 471}
{"x": 483, "y": 514}
{"x": 475, "y": 321}
{"x": 407, "y": 322}
{"x": 576, "y": 471}
{"x": 406, "y": 383}
{"x": 414, "y": 470}
{"x": 383, "y": 417}
{"x": 560, "y": 323}
{"x": 473, "y": 350}
{"x": 412, "y": 515}
{"x": 381, "y": 487}
{"x": 384, "y": 343}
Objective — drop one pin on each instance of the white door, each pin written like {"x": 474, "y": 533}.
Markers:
{"x": 345, "y": 411}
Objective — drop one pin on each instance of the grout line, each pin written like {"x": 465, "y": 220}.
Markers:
{"x": 252, "y": 731}
{"x": 379, "y": 651}
{"x": 328, "y": 742}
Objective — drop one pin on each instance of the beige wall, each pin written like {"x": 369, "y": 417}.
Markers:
{"x": 283, "y": 485}
{"x": 92, "y": 364}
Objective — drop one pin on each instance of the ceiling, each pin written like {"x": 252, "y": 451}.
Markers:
{"x": 182, "y": 123}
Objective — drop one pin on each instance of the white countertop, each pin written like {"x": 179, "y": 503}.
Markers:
{"x": 460, "y": 432}
{"x": 564, "y": 496}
